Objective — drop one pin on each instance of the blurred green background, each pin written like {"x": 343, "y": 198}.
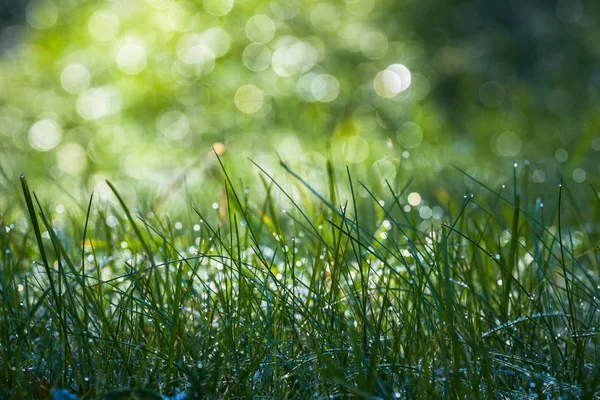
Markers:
{"x": 139, "y": 90}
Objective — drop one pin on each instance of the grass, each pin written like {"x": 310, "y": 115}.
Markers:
{"x": 337, "y": 296}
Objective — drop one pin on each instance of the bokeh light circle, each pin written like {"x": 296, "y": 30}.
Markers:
{"x": 217, "y": 40}
{"x": 325, "y": 88}
{"x": 491, "y": 94}
{"x": 192, "y": 49}
{"x": 579, "y": 175}
{"x": 374, "y": 45}
{"x": 507, "y": 144}
{"x": 75, "y": 78}
{"x": 360, "y": 8}
{"x": 260, "y": 28}
{"x": 131, "y": 56}
{"x": 45, "y": 135}
{"x": 561, "y": 155}
{"x": 284, "y": 9}
{"x": 356, "y": 149}
{"x": 41, "y": 14}
{"x": 569, "y": 11}
{"x": 256, "y": 57}
{"x": 183, "y": 16}
{"x": 393, "y": 80}
{"x": 99, "y": 102}
{"x": 173, "y": 124}
{"x": 425, "y": 212}
{"x": 103, "y": 25}
{"x": 218, "y": 8}
{"x": 293, "y": 56}
{"x": 414, "y": 199}
{"x": 71, "y": 158}
{"x": 249, "y": 99}
{"x": 384, "y": 171}
{"x": 325, "y": 17}
{"x": 409, "y": 135}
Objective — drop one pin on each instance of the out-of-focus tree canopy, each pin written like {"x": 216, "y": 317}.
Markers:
{"x": 140, "y": 89}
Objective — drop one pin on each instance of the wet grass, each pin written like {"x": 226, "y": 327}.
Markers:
{"x": 337, "y": 295}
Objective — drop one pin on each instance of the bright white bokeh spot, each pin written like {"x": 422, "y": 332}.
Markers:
{"x": 71, "y": 158}
{"x": 45, "y": 135}
{"x": 260, "y": 28}
{"x": 393, "y": 80}
{"x": 218, "y": 8}
{"x": 409, "y": 135}
{"x": 99, "y": 102}
{"x": 131, "y": 56}
{"x": 41, "y": 14}
{"x": 356, "y": 149}
{"x": 249, "y": 99}
{"x": 103, "y": 25}
{"x": 75, "y": 78}
{"x": 414, "y": 199}
{"x": 257, "y": 57}
{"x": 403, "y": 73}
{"x": 173, "y": 124}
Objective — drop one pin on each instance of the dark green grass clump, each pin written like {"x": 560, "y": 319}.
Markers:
{"x": 497, "y": 298}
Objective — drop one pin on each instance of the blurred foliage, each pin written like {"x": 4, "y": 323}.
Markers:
{"x": 141, "y": 89}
